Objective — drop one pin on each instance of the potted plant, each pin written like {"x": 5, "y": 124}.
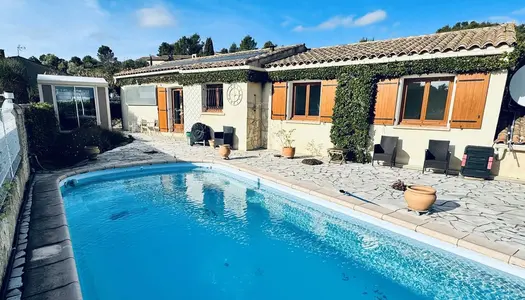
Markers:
{"x": 418, "y": 197}
{"x": 285, "y": 137}
{"x": 91, "y": 152}
{"x": 224, "y": 151}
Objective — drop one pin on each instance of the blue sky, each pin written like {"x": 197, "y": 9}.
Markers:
{"x": 135, "y": 28}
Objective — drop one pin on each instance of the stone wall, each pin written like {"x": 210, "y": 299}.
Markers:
{"x": 13, "y": 202}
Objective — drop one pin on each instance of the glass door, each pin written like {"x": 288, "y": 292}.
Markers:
{"x": 178, "y": 115}
{"x": 75, "y": 106}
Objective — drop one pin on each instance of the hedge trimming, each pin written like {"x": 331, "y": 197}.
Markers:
{"x": 201, "y": 77}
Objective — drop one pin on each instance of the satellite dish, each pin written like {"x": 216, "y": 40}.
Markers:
{"x": 517, "y": 86}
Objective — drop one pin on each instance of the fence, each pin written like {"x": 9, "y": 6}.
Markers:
{"x": 10, "y": 154}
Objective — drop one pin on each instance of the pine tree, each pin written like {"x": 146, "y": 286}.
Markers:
{"x": 233, "y": 48}
{"x": 208, "y": 48}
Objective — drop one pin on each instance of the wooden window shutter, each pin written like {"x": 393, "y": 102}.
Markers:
{"x": 328, "y": 88}
{"x": 386, "y": 100}
{"x": 469, "y": 102}
{"x": 162, "y": 102}
{"x": 279, "y": 92}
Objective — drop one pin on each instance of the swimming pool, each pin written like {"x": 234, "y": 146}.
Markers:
{"x": 191, "y": 232}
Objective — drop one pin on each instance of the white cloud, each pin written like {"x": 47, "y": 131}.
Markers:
{"x": 95, "y": 6}
{"x": 157, "y": 16}
{"x": 371, "y": 18}
{"x": 501, "y": 19}
{"x": 347, "y": 21}
{"x": 519, "y": 12}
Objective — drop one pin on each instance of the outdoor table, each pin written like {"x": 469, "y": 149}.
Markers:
{"x": 340, "y": 153}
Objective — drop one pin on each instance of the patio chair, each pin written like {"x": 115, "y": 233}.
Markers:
{"x": 144, "y": 126}
{"x": 225, "y": 137}
{"x": 437, "y": 155}
{"x": 386, "y": 151}
{"x": 156, "y": 127}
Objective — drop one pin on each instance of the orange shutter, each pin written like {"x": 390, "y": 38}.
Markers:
{"x": 162, "y": 102}
{"x": 386, "y": 99}
{"x": 469, "y": 102}
{"x": 279, "y": 100}
{"x": 327, "y": 100}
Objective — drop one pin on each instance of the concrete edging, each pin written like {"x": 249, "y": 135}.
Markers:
{"x": 51, "y": 269}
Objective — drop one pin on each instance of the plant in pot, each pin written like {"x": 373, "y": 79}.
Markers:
{"x": 285, "y": 137}
{"x": 91, "y": 152}
{"x": 418, "y": 197}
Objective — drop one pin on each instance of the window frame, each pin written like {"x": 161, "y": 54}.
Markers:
{"x": 306, "y": 116}
{"x": 218, "y": 96}
{"x": 424, "y": 105}
{"x": 74, "y": 86}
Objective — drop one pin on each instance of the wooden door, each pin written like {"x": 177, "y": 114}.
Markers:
{"x": 178, "y": 110}
{"x": 162, "y": 104}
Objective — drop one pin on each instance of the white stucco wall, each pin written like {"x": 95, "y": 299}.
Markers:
{"x": 132, "y": 114}
{"x": 414, "y": 141}
{"x": 305, "y": 132}
{"x": 231, "y": 115}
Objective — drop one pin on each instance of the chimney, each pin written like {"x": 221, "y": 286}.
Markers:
{"x": 272, "y": 48}
{"x": 194, "y": 56}
{"x": 2, "y": 53}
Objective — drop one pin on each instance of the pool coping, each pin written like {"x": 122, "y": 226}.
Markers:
{"x": 50, "y": 270}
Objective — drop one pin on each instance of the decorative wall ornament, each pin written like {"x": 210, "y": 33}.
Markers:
{"x": 234, "y": 94}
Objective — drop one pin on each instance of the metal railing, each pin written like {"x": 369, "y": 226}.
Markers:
{"x": 214, "y": 98}
{"x": 10, "y": 155}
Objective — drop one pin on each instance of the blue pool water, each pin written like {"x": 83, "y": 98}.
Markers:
{"x": 193, "y": 233}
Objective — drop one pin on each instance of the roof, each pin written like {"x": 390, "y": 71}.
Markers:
{"x": 79, "y": 80}
{"x": 470, "y": 39}
{"x": 33, "y": 68}
{"x": 256, "y": 58}
{"x": 164, "y": 57}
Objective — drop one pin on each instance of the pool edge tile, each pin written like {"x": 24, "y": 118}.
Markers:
{"x": 404, "y": 220}
{"x": 441, "y": 233}
{"x": 518, "y": 259}
{"x": 373, "y": 210}
{"x": 488, "y": 248}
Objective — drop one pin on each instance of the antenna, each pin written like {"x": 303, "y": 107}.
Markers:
{"x": 20, "y": 48}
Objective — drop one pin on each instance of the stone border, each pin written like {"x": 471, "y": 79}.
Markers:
{"x": 51, "y": 271}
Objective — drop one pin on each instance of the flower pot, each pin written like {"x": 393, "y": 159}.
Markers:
{"x": 91, "y": 152}
{"x": 212, "y": 143}
{"x": 288, "y": 152}
{"x": 419, "y": 197}
{"x": 224, "y": 151}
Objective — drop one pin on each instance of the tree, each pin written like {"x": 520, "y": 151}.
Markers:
{"x": 465, "y": 25}
{"x": 106, "y": 55}
{"x": 35, "y": 60}
{"x": 13, "y": 79}
{"x": 141, "y": 63}
{"x": 224, "y": 50}
{"x": 76, "y": 60}
{"x": 248, "y": 43}
{"x": 133, "y": 64}
{"x": 89, "y": 62}
{"x": 233, "y": 48}
{"x": 268, "y": 44}
{"x": 188, "y": 45}
{"x": 365, "y": 39}
{"x": 165, "y": 49}
{"x": 50, "y": 60}
{"x": 208, "y": 48}
{"x": 62, "y": 65}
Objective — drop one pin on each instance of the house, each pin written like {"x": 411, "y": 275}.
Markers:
{"x": 78, "y": 101}
{"x": 446, "y": 86}
{"x": 154, "y": 60}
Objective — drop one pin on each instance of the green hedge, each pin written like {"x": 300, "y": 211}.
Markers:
{"x": 42, "y": 128}
{"x": 201, "y": 77}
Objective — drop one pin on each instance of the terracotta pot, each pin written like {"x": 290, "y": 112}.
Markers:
{"x": 420, "y": 197}
{"x": 212, "y": 143}
{"x": 91, "y": 152}
{"x": 224, "y": 151}
{"x": 288, "y": 152}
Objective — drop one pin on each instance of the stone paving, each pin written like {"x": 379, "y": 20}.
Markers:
{"x": 482, "y": 210}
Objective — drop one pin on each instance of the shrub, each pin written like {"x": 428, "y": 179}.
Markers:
{"x": 42, "y": 128}
{"x": 13, "y": 79}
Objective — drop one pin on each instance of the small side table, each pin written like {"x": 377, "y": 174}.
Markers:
{"x": 335, "y": 153}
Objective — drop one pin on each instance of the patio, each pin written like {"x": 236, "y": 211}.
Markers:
{"x": 487, "y": 213}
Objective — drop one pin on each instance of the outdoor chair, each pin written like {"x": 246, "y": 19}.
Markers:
{"x": 386, "y": 151}
{"x": 437, "y": 155}
{"x": 144, "y": 126}
{"x": 225, "y": 137}
{"x": 156, "y": 128}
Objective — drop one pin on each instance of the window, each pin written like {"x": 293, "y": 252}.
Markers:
{"x": 306, "y": 101}
{"x": 213, "y": 101}
{"x": 76, "y": 106}
{"x": 426, "y": 101}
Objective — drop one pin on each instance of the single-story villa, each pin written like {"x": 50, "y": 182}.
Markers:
{"x": 445, "y": 86}
{"x": 77, "y": 100}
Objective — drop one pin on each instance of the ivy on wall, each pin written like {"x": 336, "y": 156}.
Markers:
{"x": 228, "y": 76}
{"x": 355, "y": 94}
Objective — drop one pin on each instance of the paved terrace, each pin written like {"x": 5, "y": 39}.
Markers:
{"x": 482, "y": 211}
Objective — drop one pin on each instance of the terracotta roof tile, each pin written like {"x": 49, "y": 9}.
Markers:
{"x": 479, "y": 38}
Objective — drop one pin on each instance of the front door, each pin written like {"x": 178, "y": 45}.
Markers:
{"x": 178, "y": 111}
